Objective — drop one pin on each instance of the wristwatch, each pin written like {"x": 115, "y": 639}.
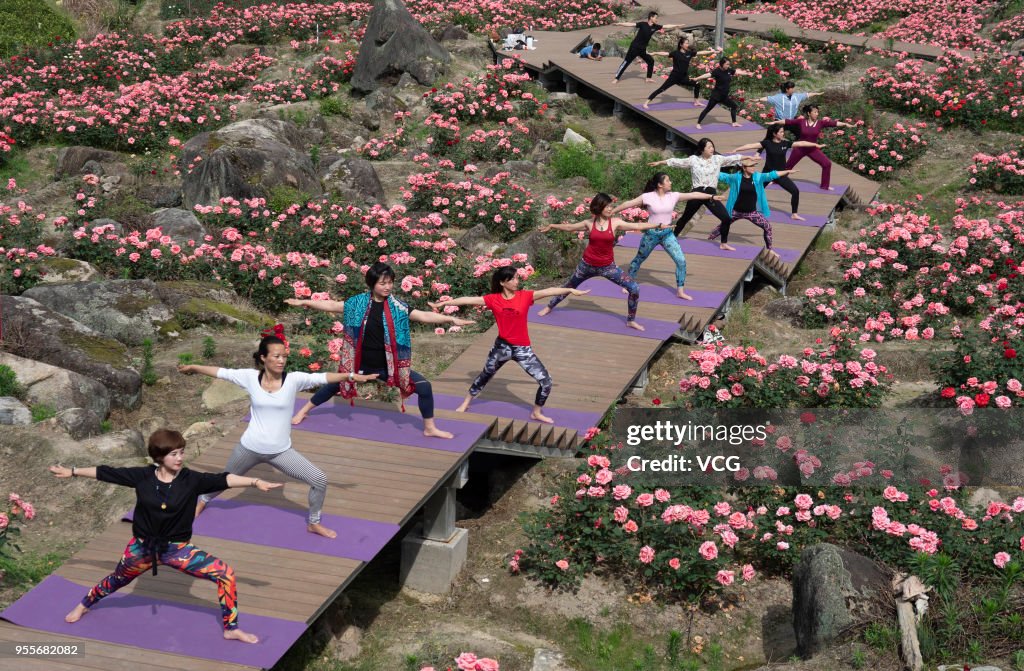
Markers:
{"x": 351, "y": 377}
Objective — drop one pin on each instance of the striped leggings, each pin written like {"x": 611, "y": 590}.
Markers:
{"x": 584, "y": 271}
{"x": 291, "y": 463}
{"x": 183, "y": 557}
{"x": 502, "y": 353}
{"x": 755, "y": 218}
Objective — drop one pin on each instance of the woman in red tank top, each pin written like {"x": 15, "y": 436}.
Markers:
{"x": 599, "y": 256}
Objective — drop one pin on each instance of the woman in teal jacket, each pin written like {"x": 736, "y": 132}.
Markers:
{"x": 747, "y": 200}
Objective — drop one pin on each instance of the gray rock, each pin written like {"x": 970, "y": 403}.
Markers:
{"x": 578, "y": 182}
{"x": 982, "y": 496}
{"x": 116, "y": 444}
{"x": 831, "y": 589}
{"x": 126, "y": 310}
{"x": 92, "y": 168}
{"x": 58, "y": 388}
{"x": 159, "y": 195}
{"x": 347, "y": 645}
{"x": 786, "y": 309}
{"x": 150, "y": 424}
{"x": 366, "y": 118}
{"x": 79, "y": 422}
{"x": 384, "y": 104}
{"x": 200, "y": 430}
{"x": 541, "y": 249}
{"x": 181, "y": 225}
{"x": 571, "y": 137}
{"x": 561, "y": 96}
{"x": 522, "y": 168}
{"x": 394, "y": 43}
{"x": 452, "y": 33}
{"x": 116, "y": 227}
{"x": 34, "y": 331}
{"x": 71, "y": 160}
{"x": 478, "y": 240}
{"x": 961, "y": 667}
{"x": 221, "y": 393}
{"x": 549, "y": 660}
{"x": 14, "y": 412}
{"x": 355, "y": 179}
{"x": 246, "y": 159}
{"x": 58, "y": 270}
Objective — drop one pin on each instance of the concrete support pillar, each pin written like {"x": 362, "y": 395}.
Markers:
{"x": 435, "y": 551}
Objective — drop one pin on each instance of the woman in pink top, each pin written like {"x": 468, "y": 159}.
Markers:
{"x": 808, "y": 128}
{"x": 660, "y": 201}
{"x": 599, "y": 256}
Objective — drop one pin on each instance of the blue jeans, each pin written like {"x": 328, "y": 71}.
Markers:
{"x": 665, "y": 237}
{"x": 424, "y": 392}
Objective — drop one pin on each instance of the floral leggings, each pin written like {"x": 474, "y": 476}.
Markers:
{"x": 502, "y": 353}
{"x": 183, "y": 557}
{"x": 665, "y": 237}
{"x": 755, "y": 218}
{"x": 584, "y": 271}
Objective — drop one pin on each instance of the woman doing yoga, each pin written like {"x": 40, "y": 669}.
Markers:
{"x": 809, "y": 128}
{"x": 680, "y": 75}
{"x": 775, "y": 145}
{"x": 722, "y": 75}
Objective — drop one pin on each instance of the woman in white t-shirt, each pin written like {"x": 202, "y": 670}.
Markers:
{"x": 267, "y": 439}
{"x": 660, "y": 201}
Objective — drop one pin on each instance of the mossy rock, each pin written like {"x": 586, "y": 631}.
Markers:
{"x": 198, "y": 311}
{"x": 96, "y": 347}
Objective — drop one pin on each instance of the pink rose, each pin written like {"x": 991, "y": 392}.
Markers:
{"x": 466, "y": 661}
{"x": 708, "y": 550}
{"x": 562, "y": 564}
{"x": 630, "y": 527}
{"x": 4, "y": 521}
{"x": 748, "y": 572}
{"x": 621, "y": 514}
{"x": 486, "y": 664}
{"x": 647, "y": 554}
{"x": 725, "y": 577}
{"x": 645, "y": 500}
{"x": 1001, "y": 559}
{"x": 674, "y": 563}
{"x": 621, "y": 492}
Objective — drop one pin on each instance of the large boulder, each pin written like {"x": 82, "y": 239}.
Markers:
{"x": 478, "y": 240}
{"x": 34, "y": 331}
{"x": 354, "y": 179}
{"x": 79, "y": 422}
{"x": 833, "y": 589}
{"x": 123, "y": 444}
{"x": 58, "y": 270}
{"x": 56, "y": 387}
{"x": 180, "y": 224}
{"x": 127, "y": 310}
{"x": 196, "y": 303}
{"x": 73, "y": 161}
{"x": 159, "y": 195}
{"x": 246, "y": 159}
{"x": 394, "y": 43}
{"x": 14, "y": 412}
{"x": 543, "y": 250}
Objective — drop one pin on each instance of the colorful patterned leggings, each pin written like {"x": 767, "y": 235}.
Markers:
{"x": 665, "y": 237}
{"x": 584, "y": 271}
{"x": 502, "y": 353}
{"x": 755, "y": 218}
{"x": 183, "y": 557}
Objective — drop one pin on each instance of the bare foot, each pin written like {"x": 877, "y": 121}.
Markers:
{"x": 76, "y": 614}
{"x": 697, "y": 103}
{"x": 796, "y": 217}
{"x": 299, "y": 417}
{"x": 736, "y": 124}
{"x": 650, "y": 80}
{"x": 544, "y": 312}
{"x": 321, "y": 530}
{"x": 682, "y": 294}
{"x": 431, "y": 431}
{"x": 829, "y": 188}
{"x": 615, "y": 81}
{"x": 634, "y": 325}
{"x": 728, "y": 248}
{"x": 239, "y": 635}
{"x": 647, "y": 105}
{"x": 626, "y": 291}
{"x": 463, "y": 407}
{"x": 697, "y": 126}
{"x": 200, "y": 507}
{"x": 541, "y": 417}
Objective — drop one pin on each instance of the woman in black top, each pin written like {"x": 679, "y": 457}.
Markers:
{"x": 722, "y": 75}
{"x": 638, "y": 47}
{"x": 775, "y": 145}
{"x": 680, "y": 75}
{"x": 165, "y": 505}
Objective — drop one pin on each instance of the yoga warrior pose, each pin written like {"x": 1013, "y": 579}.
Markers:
{"x": 377, "y": 342}
{"x": 774, "y": 145}
{"x": 660, "y": 201}
{"x": 680, "y": 75}
{"x": 267, "y": 438}
{"x": 722, "y": 75}
{"x": 638, "y": 47}
{"x": 511, "y": 308}
{"x": 165, "y": 505}
{"x": 747, "y": 200}
{"x": 599, "y": 256}
{"x": 705, "y": 167}
{"x": 809, "y": 129}
{"x": 786, "y": 102}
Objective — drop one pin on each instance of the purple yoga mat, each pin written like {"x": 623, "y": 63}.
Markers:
{"x": 658, "y": 294}
{"x": 789, "y": 255}
{"x": 258, "y": 524}
{"x": 664, "y": 107}
{"x": 813, "y": 220}
{"x": 710, "y": 248}
{"x": 572, "y": 419}
{"x": 153, "y": 624}
{"x": 717, "y": 127}
{"x": 605, "y": 322}
{"x": 342, "y": 419}
{"x": 811, "y": 187}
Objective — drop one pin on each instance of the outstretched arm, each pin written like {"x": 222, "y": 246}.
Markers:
{"x": 746, "y": 73}
{"x": 635, "y": 202}
{"x": 558, "y": 291}
{"x": 465, "y": 300}
{"x": 72, "y": 471}
{"x": 706, "y": 75}
{"x": 241, "y": 481}
{"x": 786, "y": 173}
{"x": 747, "y": 147}
{"x": 323, "y": 306}
{"x": 805, "y": 143}
{"x": 424, "y": 317}
{"x": 336, "y": 378}
{"x": 191, "y": 368}
{"x": 708, "y": 52}
{"x": 578, "y": 226}
{"x": 843, "y": 124}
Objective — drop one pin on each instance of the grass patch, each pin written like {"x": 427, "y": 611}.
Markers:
{"x": 612, "y": 174}
{"x": 23, "y": 571}
{"x": 31, "y": 23}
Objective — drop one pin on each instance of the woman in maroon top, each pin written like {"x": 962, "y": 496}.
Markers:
{"x": 808, "y": 128}
{"x": 511, "y": 307}
{"x": 599, "y": 256}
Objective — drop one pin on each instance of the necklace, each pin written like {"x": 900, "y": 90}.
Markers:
{"x": 163, "y": 495}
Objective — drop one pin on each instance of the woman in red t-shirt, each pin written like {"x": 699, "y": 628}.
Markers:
{"x": 599, "y": 256}
{"x": 511, "y": 308}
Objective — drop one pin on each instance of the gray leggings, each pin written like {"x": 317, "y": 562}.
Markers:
{"x": 291, "y": 463}
{"x": 502, "y": 353}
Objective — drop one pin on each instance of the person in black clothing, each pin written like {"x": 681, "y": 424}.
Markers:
{"x": 680, "y": 75}
{"x": 377, "y": 342}
{"x": 722, "y": 75}
{"x": 165, "y": 505}
{"x": 638, "y": 47}
{"x": 775, "y": 145}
